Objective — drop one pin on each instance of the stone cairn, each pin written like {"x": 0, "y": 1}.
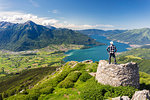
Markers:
{"x": 118, "y": 74}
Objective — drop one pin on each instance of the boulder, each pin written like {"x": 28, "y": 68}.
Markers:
{"x": 87, "y": 61}
{"x": 121, "y": 98}
{"x": 141, "y": 95}
{"x": 125, "y": 98}
{"x": 116, "y": 98}
{"x": 93, "y": 74}
{"x": 118, "y": 74}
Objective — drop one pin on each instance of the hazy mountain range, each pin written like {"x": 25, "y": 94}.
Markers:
{"x": 28, "y": 36}
{"x": 135, "y": 36}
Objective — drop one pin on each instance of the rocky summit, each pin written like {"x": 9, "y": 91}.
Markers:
{"x": 118, "y": 74}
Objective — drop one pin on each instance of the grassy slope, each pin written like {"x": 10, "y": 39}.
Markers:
{"x": 75, "y": 83}
{"x": 26, "y": 69}
{"x": 26, "y": 79}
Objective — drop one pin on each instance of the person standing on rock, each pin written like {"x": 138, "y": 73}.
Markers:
{"x": 111, "y": 49}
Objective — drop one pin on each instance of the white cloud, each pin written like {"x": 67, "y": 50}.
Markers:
{"x": 78, "y": 27}
{"x": 17, "y": 17}
{"x": 49, "y": 22}
{"x": 20, "y": 17}
{"x": 65, "y": 22}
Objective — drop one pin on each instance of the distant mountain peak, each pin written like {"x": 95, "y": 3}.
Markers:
{"x": 4, "y": 24}
{"x": 29, "y": 36}
{"x": 29, "y": 22}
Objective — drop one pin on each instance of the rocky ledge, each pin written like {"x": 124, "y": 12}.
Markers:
{"x": 118, "y": 74}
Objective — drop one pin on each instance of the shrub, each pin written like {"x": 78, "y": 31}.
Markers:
{"x": 60, "y": 77}
{"x": 84, "y": 77}
{"x": 92, "y": 93}
{"x": 144, "y": 81}
{"x": 95, "y": 91}
{"x": 79, "y": 67}
{"x": 124, "y": 91}
{"x": 10, "y": 92}
{"x": 4, "y": 95}
{"x": 94, "y": 67}
{"x": 1, "y": 96}
{"x": 69, "y": 80}
{"x": 19, "y": 97}
{"x": 73, "y": 76}
{"x": 66, "y": 84}
{"x": 33, "y": 94}
{"x": 42, "y": 96}
{"x": 47, "y": 90}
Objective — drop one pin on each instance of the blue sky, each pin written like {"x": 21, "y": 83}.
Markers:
{"x": 79, "y": 14}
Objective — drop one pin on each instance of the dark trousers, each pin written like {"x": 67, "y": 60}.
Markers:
{"x": 112, "y": 55}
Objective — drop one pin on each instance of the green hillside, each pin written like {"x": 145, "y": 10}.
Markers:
{"x": 12, "y": 84}
{"x": 139, "y": 52}
{"x": 71, "y": 81}
{"x": 136, "y": 36}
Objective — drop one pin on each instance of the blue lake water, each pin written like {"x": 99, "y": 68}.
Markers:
{"x": 96, "y": 53}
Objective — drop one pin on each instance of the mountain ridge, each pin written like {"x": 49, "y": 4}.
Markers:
{"x": 29, "y": 35}
{"x": 134, "y": 36}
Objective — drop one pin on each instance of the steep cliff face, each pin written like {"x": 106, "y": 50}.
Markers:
{"x": 118, "y": 74}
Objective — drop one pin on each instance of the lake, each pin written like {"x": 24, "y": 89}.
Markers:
{"x": 96, "y": 53}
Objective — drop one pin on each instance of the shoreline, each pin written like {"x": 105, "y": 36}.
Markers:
{"x": 131, "y": 45}
{"x": 134, "y": 46}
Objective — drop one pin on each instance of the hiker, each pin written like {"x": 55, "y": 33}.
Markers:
{"x": 111, "y": 49}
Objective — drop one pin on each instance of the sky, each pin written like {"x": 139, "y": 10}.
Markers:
{"x": 79, "y": 14}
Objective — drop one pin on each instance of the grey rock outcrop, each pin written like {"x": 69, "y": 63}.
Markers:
{"x": 121, "y": 98}
{"x": 118, "y": 74}
{"x": 125, "y": 98}
{"x": 116, "y": 98}
{"x": 87, "y": 61}
{"x": 141, "y": 95}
